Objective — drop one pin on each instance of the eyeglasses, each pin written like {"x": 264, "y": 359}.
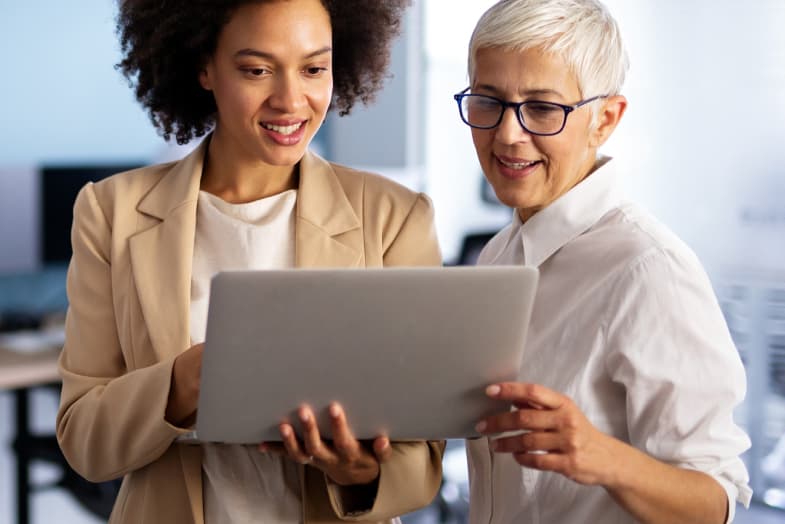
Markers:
{"x": 536, "y": 117}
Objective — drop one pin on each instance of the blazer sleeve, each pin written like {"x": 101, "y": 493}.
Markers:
{"x": 410, "y": 479}
{"x": 110, "y": 420}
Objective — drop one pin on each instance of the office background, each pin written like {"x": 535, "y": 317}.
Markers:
{"x": 702, "y": 140}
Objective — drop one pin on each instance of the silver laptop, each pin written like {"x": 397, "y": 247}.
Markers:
{"x": 408, "y": 352}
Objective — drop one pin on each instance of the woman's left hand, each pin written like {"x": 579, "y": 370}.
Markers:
{"x": 346, "y": 460}
{"x": 557, "y": 435}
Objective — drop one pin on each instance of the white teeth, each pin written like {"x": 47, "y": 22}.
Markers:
{"x": 284, "y": 130}
{"x": 516, "y": 165}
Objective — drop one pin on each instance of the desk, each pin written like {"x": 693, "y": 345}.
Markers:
{"x": 19, "y": 372}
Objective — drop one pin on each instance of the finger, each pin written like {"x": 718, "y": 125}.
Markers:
{"x": 343, "y": 439}
{"x": 523, "y": 394}
{"x": 519, "y": 419}
{"x": 312, "y": 439}
{"x": 542, "y": 461}
{"x": 528, "y": 442}
{"x": 293, "y": 449}
{"x": 382, "y": 449}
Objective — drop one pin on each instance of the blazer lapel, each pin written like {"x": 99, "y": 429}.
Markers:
{"x": 161, "y": 254}
{"x": 325, "y": 220}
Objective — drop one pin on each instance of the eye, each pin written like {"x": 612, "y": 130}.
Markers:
{"x": 541, "y": 108}
{"x": 255, "y": 71}
{"x": 315, "y": 70}
{"x": 482, "y": 103}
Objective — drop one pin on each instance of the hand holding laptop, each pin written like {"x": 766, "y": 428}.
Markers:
{"x": 184, "y": 389}
{"x": 346, "y": 460}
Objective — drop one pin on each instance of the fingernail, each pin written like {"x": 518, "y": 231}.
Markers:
{"x": 480, "y": 427}
{"x": 285, "y": 431}
{"x": 304, "y": 416}
{"x": 493, "y": 390}
{"x": 335, "y": 411}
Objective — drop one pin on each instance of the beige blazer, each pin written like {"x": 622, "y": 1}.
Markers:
{"x": 129, "y": 290}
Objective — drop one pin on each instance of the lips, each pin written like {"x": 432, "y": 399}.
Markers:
{"x": 284, "y": 133}
{"x": 515, "y": 168}
{"x": 286, "y": 129}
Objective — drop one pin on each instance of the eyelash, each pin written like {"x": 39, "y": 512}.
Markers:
{"x": 257, "y": 72}
{"x": 315, "y": 70}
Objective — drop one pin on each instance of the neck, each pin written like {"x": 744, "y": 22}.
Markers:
{"x": 237, "y": 177}
{"x": 593, "y": 163}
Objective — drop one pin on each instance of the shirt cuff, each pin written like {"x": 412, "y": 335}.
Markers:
{"x": 734, "y": 494}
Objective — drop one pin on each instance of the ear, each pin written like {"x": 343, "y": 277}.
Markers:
{"x": 608, "y": 118}
{"x": 205, "y": 77}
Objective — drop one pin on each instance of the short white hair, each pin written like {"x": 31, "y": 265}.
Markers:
{"x": 582, "y": 32}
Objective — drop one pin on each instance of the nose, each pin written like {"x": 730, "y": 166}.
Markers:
{"x": 509, "y": 130}
{"x": 288, "y": 95}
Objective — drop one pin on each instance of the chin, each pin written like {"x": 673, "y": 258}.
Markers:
{"x": 287, "y": 158}
{"x": 522, "y": 201}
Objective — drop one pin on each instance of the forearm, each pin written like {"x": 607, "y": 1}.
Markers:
{"x": 655, "y": 492}
{"x": 108, "y": 429}
{"x": 184, "y": 387}
{"x": 409, "y": 480}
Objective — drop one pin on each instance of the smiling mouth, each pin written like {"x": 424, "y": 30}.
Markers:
{"x": 517, "y": 165}
{"x": 283, "y": 130}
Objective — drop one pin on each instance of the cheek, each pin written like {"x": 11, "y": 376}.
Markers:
{"x": 231, "y": 99}
{"x": 482, "y": 144}
{"x": 320, "y": 96}
{"x": 324, "y": 99}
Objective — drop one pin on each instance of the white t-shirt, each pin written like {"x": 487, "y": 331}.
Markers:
{"x": 626, "y": 324}
{"x": 242, "y": 485}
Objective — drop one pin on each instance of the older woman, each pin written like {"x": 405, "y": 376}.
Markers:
{"x": 631, "y": 377}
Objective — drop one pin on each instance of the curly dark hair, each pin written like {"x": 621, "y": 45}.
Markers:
{"x": 165, "y": 43}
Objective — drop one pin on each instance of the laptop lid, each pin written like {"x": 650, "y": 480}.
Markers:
{"x": 408, "y": 352}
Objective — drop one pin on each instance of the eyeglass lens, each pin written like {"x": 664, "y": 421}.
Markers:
{"x": 538, "y": 117}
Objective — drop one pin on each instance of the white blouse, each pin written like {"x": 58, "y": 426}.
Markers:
{"x": 627, "y": 325}
{"x": 242, "y": 485}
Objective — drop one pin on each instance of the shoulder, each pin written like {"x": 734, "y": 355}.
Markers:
{"x": 373, "y": 185}
{"x": 129, "y": 187}
{"x": 495, "y": 246}
{"x": 632, "y": 236}
{"x": 641, "y": 262}
{"x": 378, "y": 195}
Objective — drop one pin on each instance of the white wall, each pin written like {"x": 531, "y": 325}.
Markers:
{"x": 62, "y": 102}
{"x": 62, "y": 98}
{"x": 704, "y": 131}
{"x": 452, "y": 173}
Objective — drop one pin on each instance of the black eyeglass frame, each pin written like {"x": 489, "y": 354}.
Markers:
{"x": 517, "y": 106}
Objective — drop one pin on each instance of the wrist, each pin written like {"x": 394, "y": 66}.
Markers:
{"x": 181, "y": 404}
{"x": 620, "y": 466}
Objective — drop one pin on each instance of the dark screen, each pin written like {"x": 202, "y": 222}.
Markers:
{"x": 59, "y": 186}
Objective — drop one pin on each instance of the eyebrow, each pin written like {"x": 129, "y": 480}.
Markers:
{"x": 525, "y": 92}
{"x": 269, "y": 56}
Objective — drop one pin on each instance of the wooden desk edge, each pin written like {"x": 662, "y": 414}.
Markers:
{"x": 22, "y": 370}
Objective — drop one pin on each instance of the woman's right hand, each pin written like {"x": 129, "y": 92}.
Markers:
{"x": 184, "y": 389}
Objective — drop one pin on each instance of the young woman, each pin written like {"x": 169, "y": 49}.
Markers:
{"x": 257, "y": 77}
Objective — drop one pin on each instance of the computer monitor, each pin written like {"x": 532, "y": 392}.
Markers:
{"x": 59, "y": 186}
